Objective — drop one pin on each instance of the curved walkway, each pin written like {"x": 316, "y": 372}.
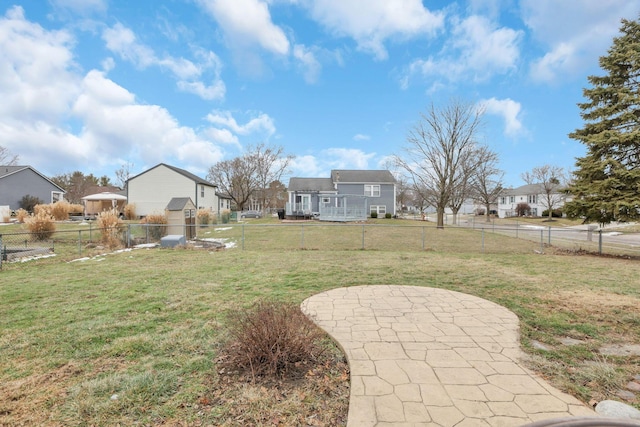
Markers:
{"x": 432, "y": 357}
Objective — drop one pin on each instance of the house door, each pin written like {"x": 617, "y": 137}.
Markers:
{"x": 190, "y": 224}
{"x": 304, "y": 203}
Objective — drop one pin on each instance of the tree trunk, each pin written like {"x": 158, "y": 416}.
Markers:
{"x": 440, "y": 214}
{"x": 454, "y": 220}
{"x": 488, "y": 207}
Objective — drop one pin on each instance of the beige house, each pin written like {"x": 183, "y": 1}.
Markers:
{"x": 152, "y": 190}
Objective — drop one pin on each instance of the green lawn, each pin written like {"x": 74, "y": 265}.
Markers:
{"x": 132, "y": 337}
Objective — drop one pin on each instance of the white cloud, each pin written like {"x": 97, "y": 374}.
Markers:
{"x": 123, "y": 42}
{"x": 247, "y": 23}
{"x": 42, "y": 88}
{"x": 262, "y": 124}
{"x": 361, "y": 137}
{"x": 149, "y": 130}
{"x": 36, "y": 77}
{"x": 347, "y": 158}
{"x": 308, "y": 166}
{"x": 310, "y": 66}
{"x": 372, "y": 22}
{"x": 477, "y": 49}
{"x": 575, "y": 34}
{"x": 509, "y": 110}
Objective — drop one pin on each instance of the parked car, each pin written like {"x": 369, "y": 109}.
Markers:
{"x": 250, "y": 214}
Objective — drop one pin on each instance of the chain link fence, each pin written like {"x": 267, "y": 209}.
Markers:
{"x": 469, "y": 235}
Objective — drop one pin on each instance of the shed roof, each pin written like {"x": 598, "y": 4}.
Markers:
{"x": 179, "y": 203}
{"x": 105, "y": 196}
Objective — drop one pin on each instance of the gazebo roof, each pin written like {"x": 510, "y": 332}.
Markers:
{"x": 105, "y": 196}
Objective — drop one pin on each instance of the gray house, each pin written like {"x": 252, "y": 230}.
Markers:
{"x": 348, "y": 195}
{"x": 19, "y": 181}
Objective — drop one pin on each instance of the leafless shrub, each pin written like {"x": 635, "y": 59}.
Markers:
{"x": 60, "y": 210}
{"x": 270, "y": 338}
{"x": 204, "y": 216}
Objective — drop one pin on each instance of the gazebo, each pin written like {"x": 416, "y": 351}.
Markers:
{"x": 100, "y": 202}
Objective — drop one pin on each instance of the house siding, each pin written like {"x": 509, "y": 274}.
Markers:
{"x": 15, "y": 186}
{"x": 387, "y": 194}
{"x": 152, "y": 190}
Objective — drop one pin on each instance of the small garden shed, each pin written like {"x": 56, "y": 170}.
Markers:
{"x": 181, "y": 217}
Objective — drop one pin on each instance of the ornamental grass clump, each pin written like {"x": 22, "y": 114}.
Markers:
{"x": 204, "y": 216}
{"x": 109, "y": 224}
{"x": 60, "y": 210}
{"x": 271, "y": 338}
{"x": 41, "y": 225}
{"x": 21, "y": 215}
{"x": 157, "y": 225}
{"x": 130, "y": 211}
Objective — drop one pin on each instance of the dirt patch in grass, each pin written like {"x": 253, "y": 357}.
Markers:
{"x": 314, "y": 393}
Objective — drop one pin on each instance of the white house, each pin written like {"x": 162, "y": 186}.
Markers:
{"x": 151, "y": 190}
{"x": 531, "y": 194}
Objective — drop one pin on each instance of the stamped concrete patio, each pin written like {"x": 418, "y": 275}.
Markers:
{"x": 432, "y": 357}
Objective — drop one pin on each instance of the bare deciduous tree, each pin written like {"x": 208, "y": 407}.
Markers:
{"x": 123, "y": 174}
{"x": 486, "y": 183}
{"x": 438, "y": 147}
{"x": 271, "y": 164}
{"x": 243, "y": 176}
{"x": 6, "y": 158}
{"x": 551, "y": 180}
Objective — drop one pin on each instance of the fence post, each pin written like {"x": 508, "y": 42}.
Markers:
{"x": 90, "y": 232}
{"x": 483, "y": 240}
{"x": 600, "y": 241}
{"x": 549, "y": 236}
{"x": 243, "y": 236}
{"x": 423, "y": 237}
{"x": 541, "y": 241}
{"x": 1, "y": 252}
{"x": 362, "y": 236}
{"x": 301, "y": 236}
{"x": 79, "y": 242}
{"x": 516, "y": 228}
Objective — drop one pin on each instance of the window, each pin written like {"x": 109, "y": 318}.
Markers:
{"x": 532, "y": 199}
{"x": 379, "y": 209}
{"x": 512, "y": 199}
{"x": 326, "y": 200}
{"x": 372, "y": 190}
{"x": 202, "y": 191}
{"x": 56, "y": 196}
{"x": 503, "y": 200}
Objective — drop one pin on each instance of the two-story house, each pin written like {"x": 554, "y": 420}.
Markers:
{"x": 532, "y": 195}
{"x": 152, "y": 190}
{"x": 348, "y": 195}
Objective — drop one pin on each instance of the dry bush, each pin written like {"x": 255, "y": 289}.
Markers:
{"x": 270, "y": 338}
{"x": 203, "y": 216}
{"x": 41, "y": 225}
{"x": 157, "y": 224}
{"x": 42, "y": 209}
{"x": 21, "y": 215}
{"x": 76, "y": 208}
{"x": 60, "y": 210}
{"x": 109, "y": 223}
{"x": 130, "y": 211}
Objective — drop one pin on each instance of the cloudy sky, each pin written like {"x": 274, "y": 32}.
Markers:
{"x": 91, "y": 85}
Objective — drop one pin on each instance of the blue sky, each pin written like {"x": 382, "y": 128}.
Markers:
{"x": 93, "y": 84}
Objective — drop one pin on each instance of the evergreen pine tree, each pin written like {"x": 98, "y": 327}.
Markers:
{"x": 606, "y": 184}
